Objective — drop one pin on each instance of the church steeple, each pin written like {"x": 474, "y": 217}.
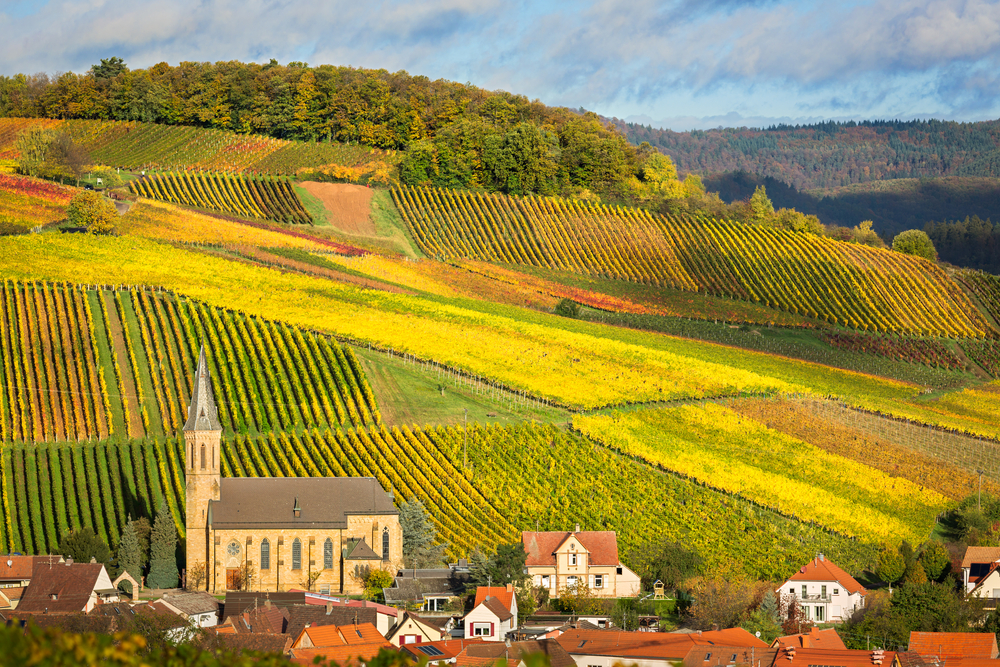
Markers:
{"x": 202, "y": 414}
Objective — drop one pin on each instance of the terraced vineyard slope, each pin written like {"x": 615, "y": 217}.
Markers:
{"x": 86, "y": 364}
{"x": 135, "y": 145}
{"x": 844, "y": 284}
{"x": 259, "y": 198}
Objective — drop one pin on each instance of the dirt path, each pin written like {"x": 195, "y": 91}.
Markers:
{"x": 120, "y": 351}
{"x": 349, "y": 205}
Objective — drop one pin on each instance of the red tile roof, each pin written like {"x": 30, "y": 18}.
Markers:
{"x": 71, "y": 583}
{"x": 803, "y": 657}
{"x": 343, "y": 635}
{"x": 488, "y": 654}
{"x": 980, "y": 555}
{"x": 499, "y": 592}
{"x": 723, "y": 656}
{"x": 657, "y": 645}
{"x": 947, "y": 645}
{"x": 449, "y": 648}
{"x": 821, "y": 569}
{"x": 342, "y": 655}
{"x": 541, "y": 547}
{"x": 815, "y": 638}
{"x": 19, "y": 568}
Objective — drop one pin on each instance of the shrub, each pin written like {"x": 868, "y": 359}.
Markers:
{"x": 91, "y": 210}
{"x": 915, "y": 242}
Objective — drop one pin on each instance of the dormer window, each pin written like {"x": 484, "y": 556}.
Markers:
{"x": 296, "y": 510}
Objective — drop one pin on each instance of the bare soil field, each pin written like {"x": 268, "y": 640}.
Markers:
{"x": 349, "y": 205}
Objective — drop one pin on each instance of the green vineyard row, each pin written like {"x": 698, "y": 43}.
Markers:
{"x": 88, "y": 364}
{"x": 258, "y": 198}
{"x": 840, "y": 283}
{"x": 986, "y": 287}
{"x": 135, "y": 145}
{"x": 522, "y": 477}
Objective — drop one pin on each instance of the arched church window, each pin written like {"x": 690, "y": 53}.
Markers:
{"x": 265, "y": 554}
{"x": 385, "y": 543}
{"x": 328, "y": 554}
{"x": 296, "y": 554}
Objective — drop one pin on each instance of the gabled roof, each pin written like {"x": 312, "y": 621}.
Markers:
{"x": 316, "y": 615}
{"x": 421, "y": 622}
{"x": 360, "y": 551}
{"x": 723, "y": 656}
{"x": 61, "y": 587}
{"x": 821, "y": 569}
{"x": 343, "y": 635}
{"x": 496, "y": 608}
{"x": 325, "y": 502}
{"x": 202, "y": 414}
{"x": 448, "y": 648}
{"x": 341, "y": 655}
{"x": 815, "y": 638}
{"x": 487, "y": 654}
{"x": 980, "y": 555}
{"x": 506, "y": 597}
{"x": 947, "y": 645}
{"x": 541, "y": 546}
{"x": 654, "y": 645}
{"x": 267, "y": 619}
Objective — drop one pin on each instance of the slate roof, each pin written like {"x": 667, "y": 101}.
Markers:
{"x": 815, "y": 638}
{"x": 325, "y": 502}
{"x": 602, "y": 545}
{"x": 202, "y": 413}
{"x": 980, "y": 555}
{"x": 487, "y": 654}
{"x": 71, "y": 583}
{"x": 821, "y": 569}
{"x": 947, "y": 645}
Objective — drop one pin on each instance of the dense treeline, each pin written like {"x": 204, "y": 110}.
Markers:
{"x": 457, "y": 134}
{"x": 834, "y": 154}
{"x": 972, "y": 242}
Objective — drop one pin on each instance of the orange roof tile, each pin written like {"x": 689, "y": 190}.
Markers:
{"x": 980, "y": 555}
{"x": 815, "y": 638}
{"x": 541, "y": 546}
{"x": 724, "y": 656}
{"x": 824, "y": 570}
{"x": 947, "y": 645}
{"x": 803, "y": 657}
{"x": 662, "y": 645}
{"x": 342, "y": 655}
{"x": 343, "y": 635}
{"x": 499, "y": 592}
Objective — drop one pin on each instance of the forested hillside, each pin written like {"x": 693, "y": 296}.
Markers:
{"x": 834, "y": 154}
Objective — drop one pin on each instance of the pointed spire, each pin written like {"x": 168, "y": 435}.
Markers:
{"x": 202, "y": 415}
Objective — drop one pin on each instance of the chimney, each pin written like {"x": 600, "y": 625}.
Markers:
{"x": 510, "y": 588}
{"x": 715, "y": 627}
{"x": 329, "y": 608}
{"x": 821, "y": 558}
{"x": 92, "y": 560}
{"x": 577, "y": 528}
{"x": 69, "y": 560}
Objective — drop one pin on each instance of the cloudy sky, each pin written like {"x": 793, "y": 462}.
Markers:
{"x": 680, "y": 64}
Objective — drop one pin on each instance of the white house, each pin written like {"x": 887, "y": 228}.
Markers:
{"x": 494, "y": 615}
{"x": 412, "y": 629}
{"x": 824, "y": 591}
{"x": 979, "y": 567}
{"x": 558, "y": 560}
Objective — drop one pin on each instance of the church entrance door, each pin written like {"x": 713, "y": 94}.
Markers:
{"x": 232, "y": 578}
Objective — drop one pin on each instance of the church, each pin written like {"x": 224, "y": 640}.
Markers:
{"x": 280, "y": 533}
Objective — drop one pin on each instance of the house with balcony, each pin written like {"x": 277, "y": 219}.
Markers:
{"x": 558, "y": 560}
{"x": 823, "y": 590}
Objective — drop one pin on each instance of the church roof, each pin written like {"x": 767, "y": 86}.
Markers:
{"x": 324, "y": 502}
{"x": 202, "y": 414}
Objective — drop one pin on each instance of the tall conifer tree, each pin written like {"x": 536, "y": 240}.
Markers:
{"x": 163, "y": 551}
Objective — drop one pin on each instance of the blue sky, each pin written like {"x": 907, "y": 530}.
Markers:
{"x": 681, "y": 64}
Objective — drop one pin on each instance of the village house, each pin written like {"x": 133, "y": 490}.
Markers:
{"x": 605, "y": 648}
{"x": 320, "y": 533}
{"x": 560, "y": 560}
{"x": 15, "y": 575}
{"x": 413, "y": 629}
{"x": 345, "y": 645}
{"x": 444, "y": 651}
{"x": 59, "y": 585}
{"x": 513, "y": 654}
{"x": 198, "y": 608}
{"x": 494, "y": 614}
{"x": 979, "y": 571}
{"x": 825, "y": 592}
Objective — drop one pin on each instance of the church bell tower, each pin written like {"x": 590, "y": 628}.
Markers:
{"x": 202, "y": 453}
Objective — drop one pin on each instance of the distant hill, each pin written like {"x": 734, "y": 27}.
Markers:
{"x": 893, "y": 205}
{"x": 831, "y": 154}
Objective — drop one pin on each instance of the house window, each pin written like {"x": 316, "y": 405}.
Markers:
{"x": 805, "y": 594}
{"x": 836, "y": 591}
{"x": 791, "y": 591}
{"x": 385, "y": 544}
{"x": 296, "y": 554}
{"x": 328, "y": 554}
{"x": 265, "y": 554}
{"x": 806, "y": 611}
{"x": 598, "y": 581}
{"x": 410, "y": 639}
{"x": 482, "y": 629}
{"x": 819, "y": 613}
{"x": 572, "y": 559}
{"x": 545, "y": 581}
{"x": 822, "y": 591}
{"x": 618, "y": 570}
{"x": 570, "y": 581}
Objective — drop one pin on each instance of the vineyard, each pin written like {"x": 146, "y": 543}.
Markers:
{"x": 915, "y": 351}
{"x": 86, "y": 364}
{"x": 986, "y": 287}
{"x": 29, "y": 202}
{"x": 135, "y": 145}
{"x": 49, "y": 489}
{"x": 986, "y": 353}
{"x": 259, "y": 198}
{"x": 722, "y": 449}
{"x": 841, "y": 283}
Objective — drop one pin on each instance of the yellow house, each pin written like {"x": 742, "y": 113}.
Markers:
{"x": 558, "y": 560}
{"x": 275, "y": 534}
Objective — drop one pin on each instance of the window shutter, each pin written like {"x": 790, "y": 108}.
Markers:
{"x": 591, "y": 581}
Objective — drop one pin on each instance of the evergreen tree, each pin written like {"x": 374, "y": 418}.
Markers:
{"x": 163, "y": 549}
{"x": 129, "y": 555}
{"x": 419, "y": 536}
{"x": 84, "y": 544}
